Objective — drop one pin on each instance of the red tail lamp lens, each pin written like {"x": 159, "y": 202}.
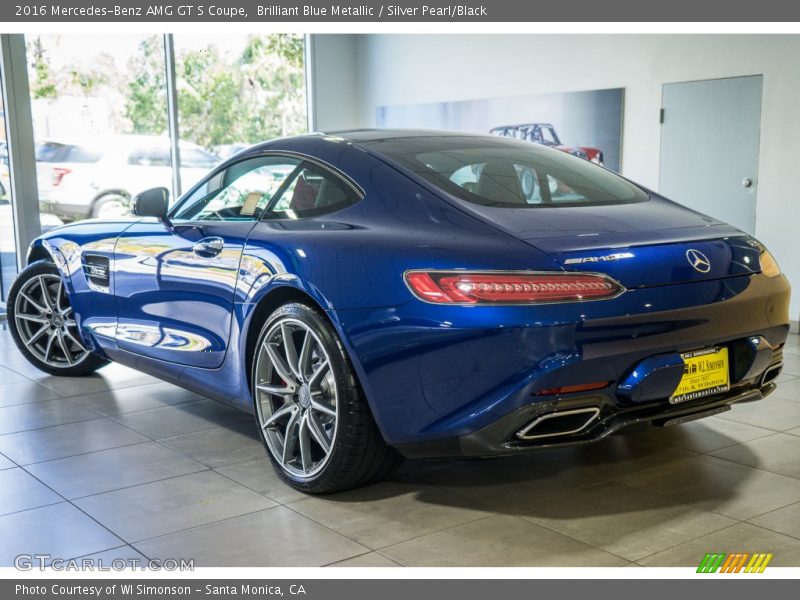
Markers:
{"x": 59, "y": 173}
{"x": 509, "y": 288}
{"x": 571, "y": 389}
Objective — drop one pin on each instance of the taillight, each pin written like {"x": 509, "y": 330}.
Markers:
{"x": 59, "y": 173}
{"x": 769, "y": 266}
{"x": 571, "y": 389}
{"x": 465, "y": 287}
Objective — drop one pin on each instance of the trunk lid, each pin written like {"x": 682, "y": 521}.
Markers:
{"x": 640, "y": 245}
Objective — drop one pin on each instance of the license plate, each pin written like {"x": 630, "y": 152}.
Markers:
{"x": 705, "y": 373}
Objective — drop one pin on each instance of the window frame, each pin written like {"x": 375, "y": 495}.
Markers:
{"x": 299, "y": 156}
{"x": 172, "y": 214}
{"x": 270, "y": 215}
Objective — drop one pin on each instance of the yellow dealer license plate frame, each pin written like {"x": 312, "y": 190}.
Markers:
{"x": 706, "y": 373}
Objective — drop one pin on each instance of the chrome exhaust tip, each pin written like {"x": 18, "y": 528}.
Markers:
{"x": 569, "y": 421}
{"x": 770, "y": 374}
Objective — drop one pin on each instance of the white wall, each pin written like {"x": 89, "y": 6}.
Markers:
{"x": 408, "y": 69}
{"x": 332, "y": 79}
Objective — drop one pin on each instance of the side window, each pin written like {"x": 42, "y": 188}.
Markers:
{"x": 313, "y": 191}
{"x": 239, "y": 193}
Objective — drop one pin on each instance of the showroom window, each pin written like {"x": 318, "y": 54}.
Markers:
{"x": 101, "y": 117}
{"x": 107, "y": 112}
{"x": 236, "y": 91}
{"x": 95, "y": 103}
{"x": 8, "y": 254}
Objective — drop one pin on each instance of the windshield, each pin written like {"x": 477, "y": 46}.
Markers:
{"x": 508, "y": 173}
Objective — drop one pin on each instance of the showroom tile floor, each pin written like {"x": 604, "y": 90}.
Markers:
{"x": 121, "y": 465}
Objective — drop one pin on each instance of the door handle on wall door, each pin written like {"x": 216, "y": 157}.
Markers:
{"x": 747, "y": 182}
{"x": 208, "y": 247}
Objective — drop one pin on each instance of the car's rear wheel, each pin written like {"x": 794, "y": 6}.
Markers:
{"x": 312, "y": 415}
{"x": 43, "y": 324}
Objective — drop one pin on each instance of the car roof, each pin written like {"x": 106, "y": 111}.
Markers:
{"x": 376, "y": 134}
{"x": 357, "y": 137}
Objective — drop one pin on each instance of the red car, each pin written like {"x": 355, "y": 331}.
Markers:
{"x": 545, "y": 134}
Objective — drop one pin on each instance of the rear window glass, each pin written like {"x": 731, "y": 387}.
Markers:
{"x": 66, "y": 153}
{"x": 508, "y": 173}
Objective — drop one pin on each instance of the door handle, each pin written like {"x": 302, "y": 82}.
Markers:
{"x": 747, "y": 182}
{"x": 208, "y": 247}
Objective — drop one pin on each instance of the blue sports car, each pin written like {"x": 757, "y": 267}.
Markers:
{"x": 374, "y": 294}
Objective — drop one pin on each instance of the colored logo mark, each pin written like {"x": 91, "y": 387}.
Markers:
{"x": 737, "y": 562}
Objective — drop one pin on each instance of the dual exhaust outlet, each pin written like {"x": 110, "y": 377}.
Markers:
{"x": 568, "y": 422}
{"x": 770, "y": 374}
{"x": 559, "y": 423}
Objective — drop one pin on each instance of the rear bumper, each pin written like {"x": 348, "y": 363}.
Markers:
{"x": 501, "y": 438}
{"x": 439, "y": 375}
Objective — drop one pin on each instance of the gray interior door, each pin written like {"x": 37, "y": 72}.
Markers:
{"x": 709, "y": 147}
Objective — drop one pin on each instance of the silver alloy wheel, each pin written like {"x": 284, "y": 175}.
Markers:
{"x": 46, "y": 323}
{"x": 296, "y": 397}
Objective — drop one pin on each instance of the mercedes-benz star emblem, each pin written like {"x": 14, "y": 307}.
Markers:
{"x": 698, "y": 260}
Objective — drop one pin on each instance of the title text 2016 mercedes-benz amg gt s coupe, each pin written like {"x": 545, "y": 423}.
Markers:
{"x": 375, "y": 294}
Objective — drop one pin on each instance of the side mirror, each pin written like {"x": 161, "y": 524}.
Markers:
{"x": 151, "y": 203}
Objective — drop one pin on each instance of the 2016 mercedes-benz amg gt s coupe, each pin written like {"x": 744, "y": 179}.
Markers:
{"x": 374, "y": 294}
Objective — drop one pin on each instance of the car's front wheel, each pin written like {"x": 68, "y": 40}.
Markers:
{"x": 312, "y": 415}
{"x": 43, "y": 324}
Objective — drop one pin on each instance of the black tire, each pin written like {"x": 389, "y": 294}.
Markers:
{"x": 87, "y": 364}
{"x": 358, "y": 454}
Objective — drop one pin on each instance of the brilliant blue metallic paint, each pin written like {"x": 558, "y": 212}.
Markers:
{"x": 428, "y": 371}
{"x": 654, "y": 378}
